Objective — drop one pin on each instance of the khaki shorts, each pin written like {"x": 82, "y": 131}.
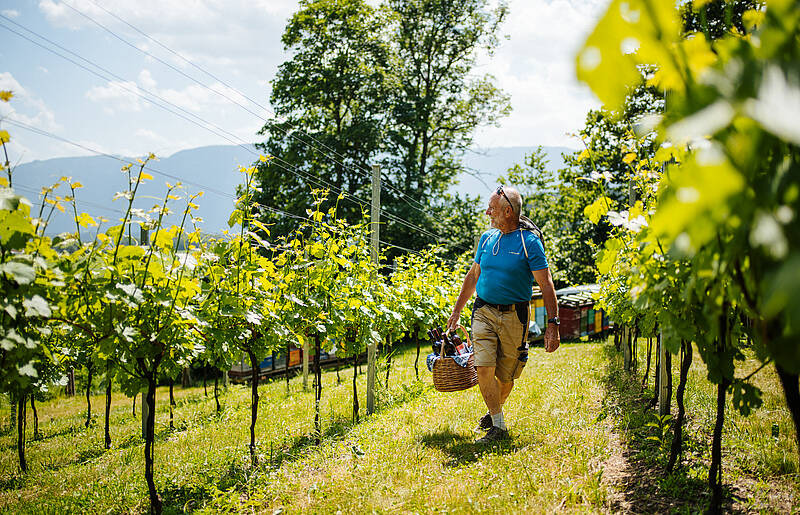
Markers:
{"x": 498, "y": 336}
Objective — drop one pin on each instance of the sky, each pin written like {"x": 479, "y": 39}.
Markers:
{"x": 238, "y": 43}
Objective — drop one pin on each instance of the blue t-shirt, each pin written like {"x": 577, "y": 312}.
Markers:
{"x": 506, "y": 276}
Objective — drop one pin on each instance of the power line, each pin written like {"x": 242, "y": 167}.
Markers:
{"x": 280, "y": 162}
{"x": 365, "y": 172}
{"x": 149, "y": 168}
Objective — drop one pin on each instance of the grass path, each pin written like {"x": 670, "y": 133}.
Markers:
{"x": 420, "y": 456}
{"x": 580, "y": 444}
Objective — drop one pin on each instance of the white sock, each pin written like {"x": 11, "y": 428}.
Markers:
{"x": 497, "y": 420}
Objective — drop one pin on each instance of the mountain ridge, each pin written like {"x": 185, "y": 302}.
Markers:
{"x": 212, "y": 169}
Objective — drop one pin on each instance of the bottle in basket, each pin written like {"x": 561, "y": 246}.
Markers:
{"x": 435, "y": 343}
{"x": 461, "y": 347}
{"x": 449, "y": 347}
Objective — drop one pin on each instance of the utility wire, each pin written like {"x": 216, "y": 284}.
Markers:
{"x": 279, "y": 162}
{"x": 200, "y": 123}
{"x": 150, "y": 168}
{"x": 364, "y": 171}
{"x": 86, "y": 202}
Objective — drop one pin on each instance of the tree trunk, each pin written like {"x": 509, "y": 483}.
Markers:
{"x": 90, "y": 371}
{"x": 388, "y": 358}
{"x": 646, "y": 375}
{"x": 21, "y": 420}
{"x": 628, "y": 354}
{"x": 108, "y": 409}
{"x": 677, "y": 438}
{"x": 789, "y": 382}
{"x": 171, "y": 403}
{"x": 715, "y": 470}
{"x": 149, "y": 444}
{"x": 317, "y": 389}
{"x": 416, "y": 361}
{"x": 617, "y": 338}
{"x": 205, "y": 385}
{"x": 216, "y": 392}
{"x": 134, "y": 404}
{"x": 338, "y": 377}
{"x": 355, "y": 388}
{"x": 255, "y": 372}
{"x": 35, "y": 418}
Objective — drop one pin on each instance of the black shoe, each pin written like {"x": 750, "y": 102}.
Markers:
{"x": 484, "y": 423}
{"x": 495, "y": 435}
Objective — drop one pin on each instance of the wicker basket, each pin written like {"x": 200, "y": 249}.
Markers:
{"x": 449, "y": 376}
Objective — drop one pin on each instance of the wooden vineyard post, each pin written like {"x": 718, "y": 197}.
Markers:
{"x": 663, "y": 389}
{"x": 375, "y": 218}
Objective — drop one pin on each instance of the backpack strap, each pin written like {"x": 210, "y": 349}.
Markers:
{"x": 523, "y": 243}
{"x": 487, "y": 241}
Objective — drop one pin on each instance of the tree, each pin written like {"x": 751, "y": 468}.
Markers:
{"x": 392, "y": 84}
{"x": 436, "y": 107}
{"x": 716, "y": 18}
{"x": 333, "y": 94}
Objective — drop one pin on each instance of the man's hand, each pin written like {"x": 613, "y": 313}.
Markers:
{"x": 552, "y": 338}
{"x": 453, "y": 321}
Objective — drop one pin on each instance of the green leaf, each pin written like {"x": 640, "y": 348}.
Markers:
{"x": 11, "y": 310}
{"x": 15, "y": 228}
{"x": 132, "y": 291}
{"x": 597, "y": 209}
{"x": 36, "y": 306}
{"x": 28, "y": 370}
{"x": 235, "y": 218}
{"x": 631, "y": 33}
{"x": 22, "y": 273}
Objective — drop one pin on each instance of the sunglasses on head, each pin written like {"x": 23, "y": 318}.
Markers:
{"x": 503, "y": 193}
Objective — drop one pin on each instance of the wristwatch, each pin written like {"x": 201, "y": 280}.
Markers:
{"x": 554, "y": 321}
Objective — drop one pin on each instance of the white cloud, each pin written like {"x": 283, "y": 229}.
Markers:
{"x": 42, "y": 69}
{"x": 117, "y": 95}
{"x": 146, "y": 79}
{"x": 230, "y": 33}
{"x": 536, "y": 67}
{"x": 10, "y": 13}
{"x": 26, "y": 107}
{"x": 147, "y": 134}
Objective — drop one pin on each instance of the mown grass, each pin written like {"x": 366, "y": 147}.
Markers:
{"x": 579, "y": 445}
{"x": 420, "y": 456}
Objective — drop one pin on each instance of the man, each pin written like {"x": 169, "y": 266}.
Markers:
{"x": 508, "y": 259}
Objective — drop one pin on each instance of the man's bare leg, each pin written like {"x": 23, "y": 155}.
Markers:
{"x": 504, "y": 389}
{"x": 490, "y": 389}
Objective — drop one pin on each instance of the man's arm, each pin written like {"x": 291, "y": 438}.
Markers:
{"x": 467, "y": 289}
{"x": 552, "y": 338}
